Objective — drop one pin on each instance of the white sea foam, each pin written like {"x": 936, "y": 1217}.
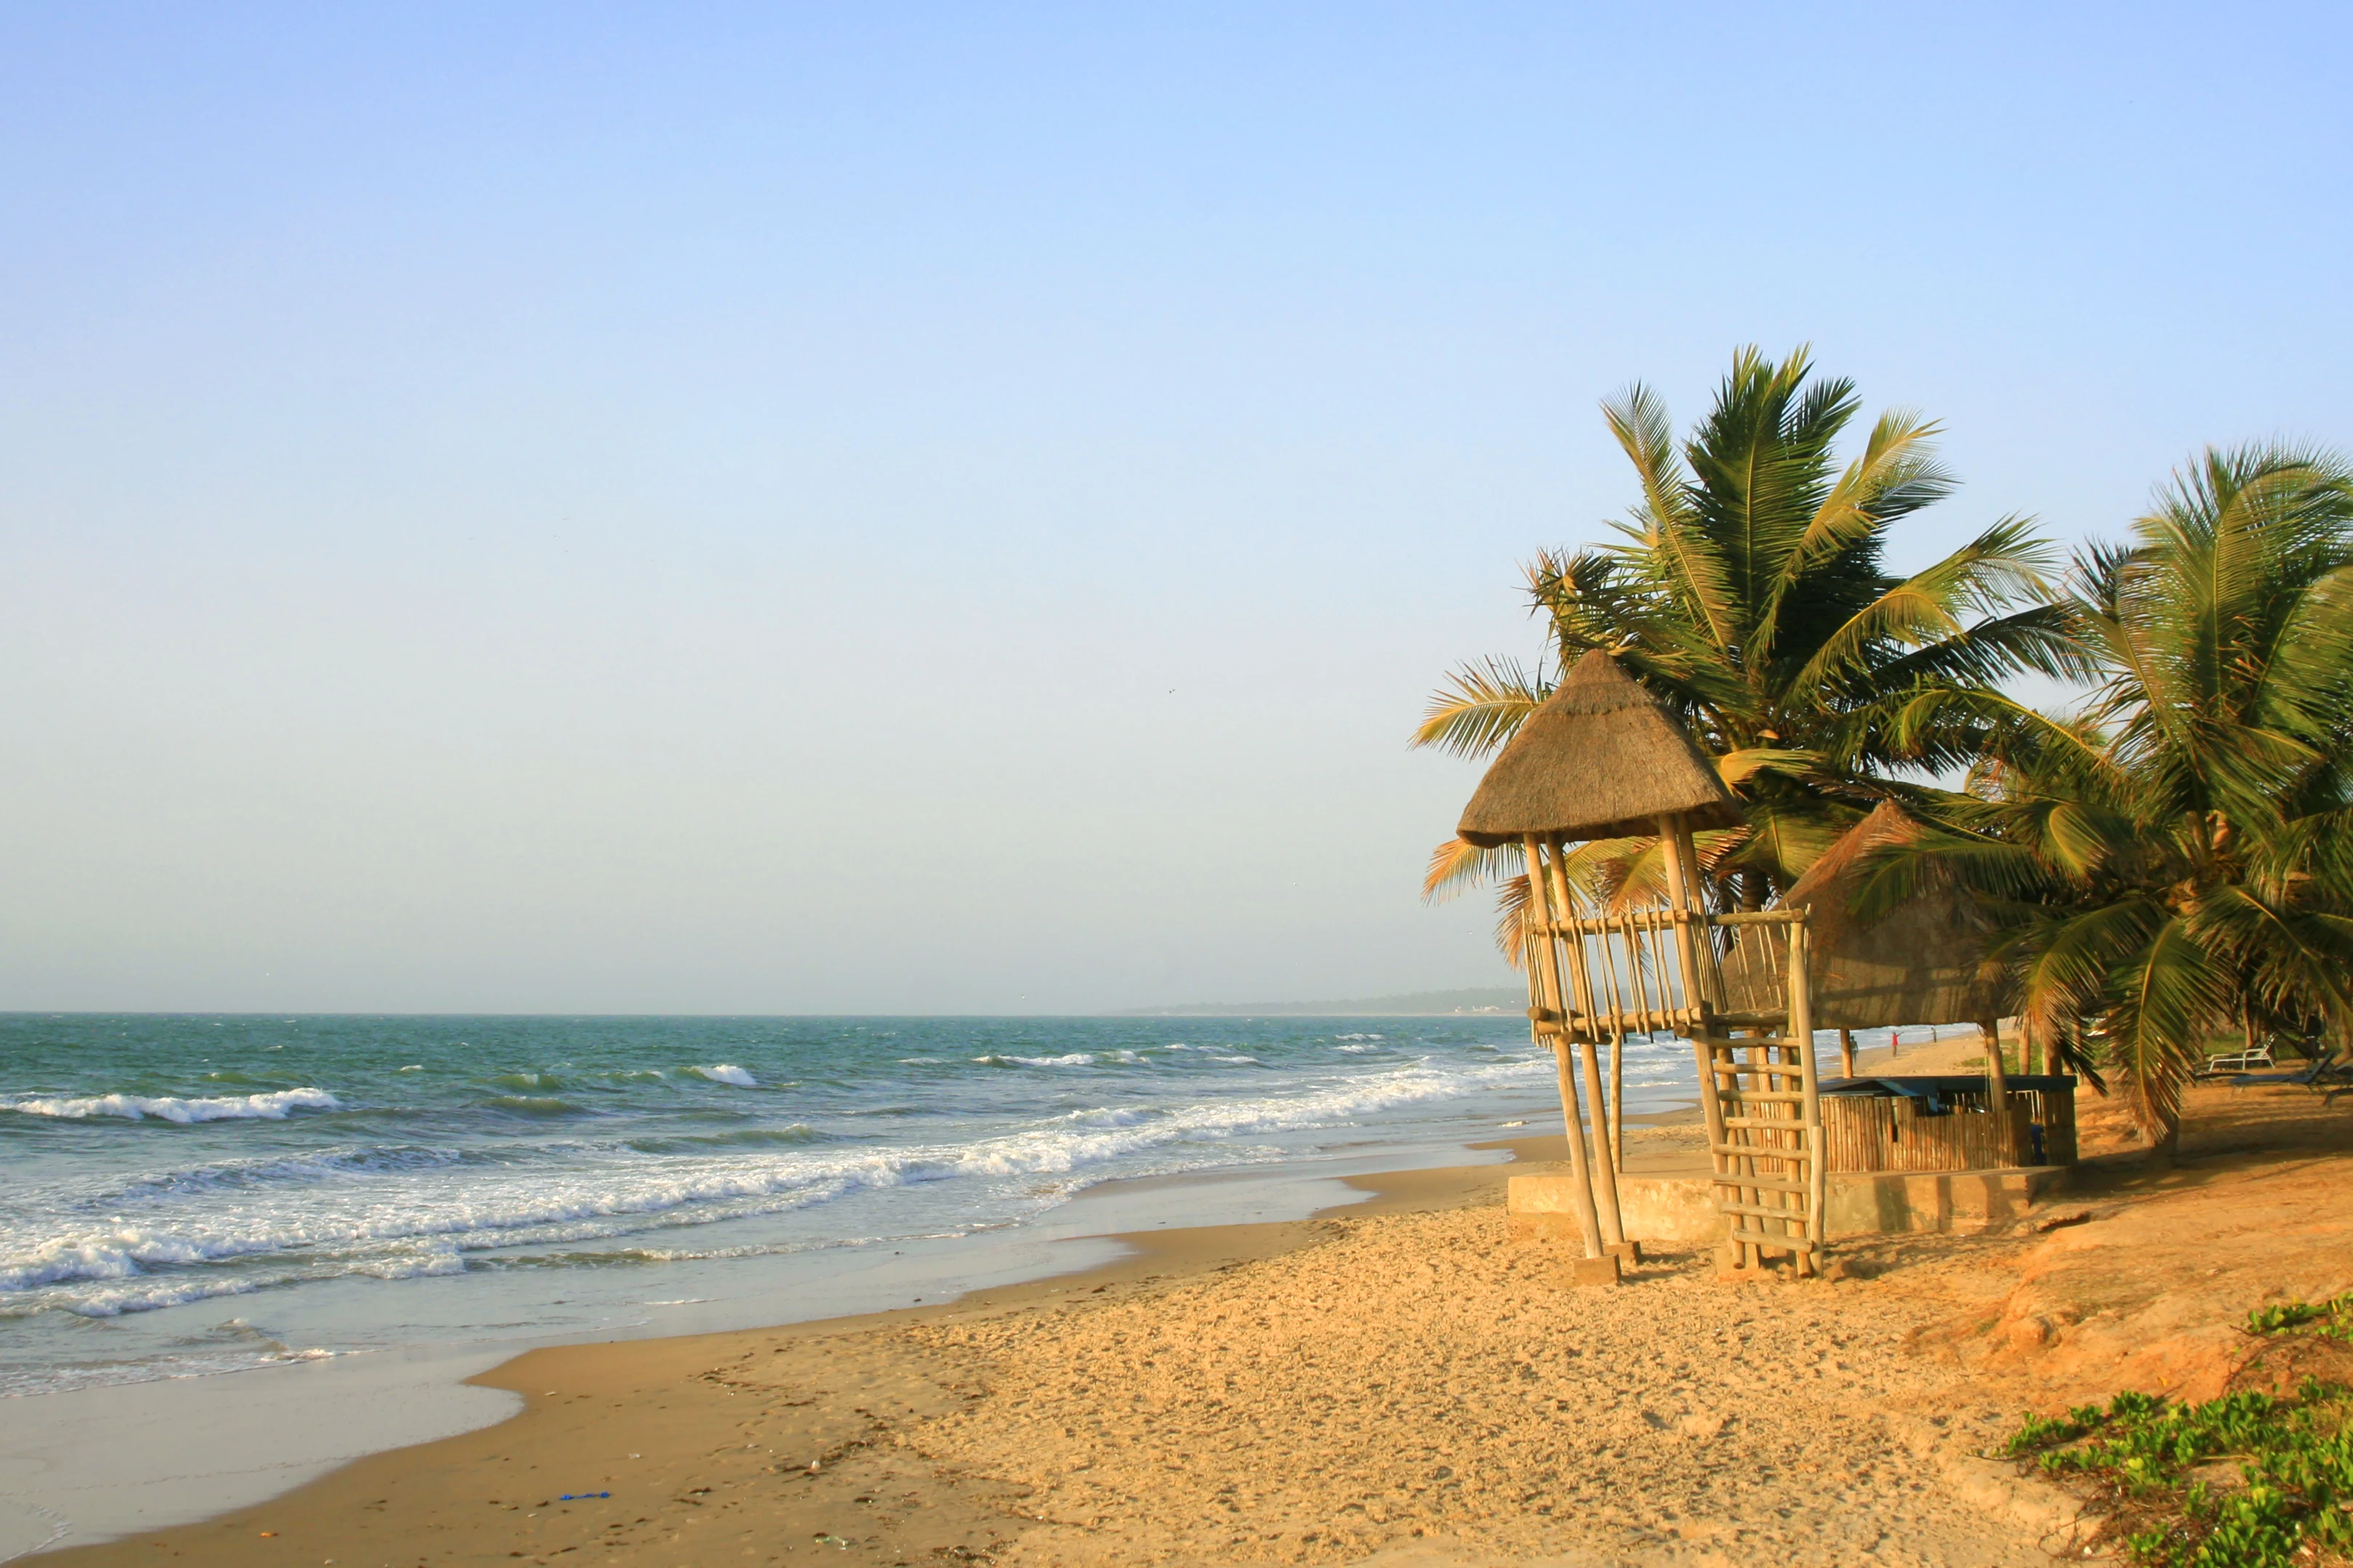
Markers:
{"x": 727, "y": 1072}
{"x": 415, "y": 1265}
{"x": 273, "y": 1107}
{"x": 148, "y": 1295}
{"x": 421, "y": 1219}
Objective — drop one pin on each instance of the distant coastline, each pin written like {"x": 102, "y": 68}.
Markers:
{"x": 1407, "y": 1004}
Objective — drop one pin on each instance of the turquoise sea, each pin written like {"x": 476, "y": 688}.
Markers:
{"x": 188, "y": 1194}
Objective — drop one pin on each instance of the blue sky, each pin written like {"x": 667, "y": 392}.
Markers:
{"x": 956, "y": 508}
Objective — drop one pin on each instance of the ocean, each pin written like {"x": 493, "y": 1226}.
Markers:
{"x": 194, "y": 1194}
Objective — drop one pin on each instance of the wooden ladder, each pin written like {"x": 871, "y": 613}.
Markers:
{"x": 1760, "y": 1099}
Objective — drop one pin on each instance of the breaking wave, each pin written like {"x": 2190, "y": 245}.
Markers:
{"x": 423, "y": 1217}
{"x": 272, "y": 1107}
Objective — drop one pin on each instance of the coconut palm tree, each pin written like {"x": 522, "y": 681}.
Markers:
{"x": 1748, "y": 590}
{"x": 2175, "y": 861}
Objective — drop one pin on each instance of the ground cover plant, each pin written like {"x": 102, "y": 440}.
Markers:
{"x": 2162, "y": 1471}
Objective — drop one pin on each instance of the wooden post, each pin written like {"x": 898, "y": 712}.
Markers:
{"x": 1605, "y": 1171}
{"x": 1683, "y": 895}
{"x": 1545, "y": 977}
{"x": 1801, "y": 1033}
{"x": 1998, "y": 1089}
{"x": 1648, "y": 1016}
{"x": 1618, "y": 1099}
{"x": 1846, "y": 1053}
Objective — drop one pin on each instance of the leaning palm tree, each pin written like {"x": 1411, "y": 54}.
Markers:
{"x": 1748, "y": 590}
{"x": 2176, "y": 860}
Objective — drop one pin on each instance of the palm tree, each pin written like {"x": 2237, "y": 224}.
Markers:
{"x": 1748, "y": 591}
{"x": 2175, "y": 860}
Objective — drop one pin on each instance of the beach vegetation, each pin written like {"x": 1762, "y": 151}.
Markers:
{"x": 2169, "y": 863}
{"x": 2244, "y": 1480}
{"x": 2163, "y": 859}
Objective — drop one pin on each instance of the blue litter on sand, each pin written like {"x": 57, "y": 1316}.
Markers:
{"x": 581, "y": 1497}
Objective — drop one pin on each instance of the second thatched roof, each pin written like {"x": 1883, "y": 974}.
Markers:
{"x": 1923, "y": 962}
{"x": 1599, "y": 759}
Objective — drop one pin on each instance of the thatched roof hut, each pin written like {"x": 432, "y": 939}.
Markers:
{"x": 1600, "y": 759}
{"x": 1921, "y": 963}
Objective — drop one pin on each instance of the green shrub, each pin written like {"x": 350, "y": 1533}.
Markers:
{"x": 2332, "y": 1319}
{"x": 2294, "y": 1456}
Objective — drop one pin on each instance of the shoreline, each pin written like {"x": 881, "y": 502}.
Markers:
{"x": 463, "y": 1390}
{"x": 976, "y": 1430}
{"x": 123, "y": 1474}
{"x": 290, "y": 1435}
{"x": 1394, "y": 1383}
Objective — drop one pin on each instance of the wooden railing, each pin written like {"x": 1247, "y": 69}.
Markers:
{"x": 1624, "y": 971}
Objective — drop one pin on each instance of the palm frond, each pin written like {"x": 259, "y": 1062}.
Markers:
{"x": 1479, "y": 707}
{"x": 1457, "y": 865}
{"x": 1511, "y": 919}
{"x": 1990, "y": 572}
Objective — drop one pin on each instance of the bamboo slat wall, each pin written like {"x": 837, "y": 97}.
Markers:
{"x": 1623, "y": 970}
{"x": 1892, "y": 1132}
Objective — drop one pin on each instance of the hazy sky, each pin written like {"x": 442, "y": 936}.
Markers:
{"x": 872, "y": 507}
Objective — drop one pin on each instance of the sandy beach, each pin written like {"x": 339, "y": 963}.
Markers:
{"x": 1393, "y": 1383}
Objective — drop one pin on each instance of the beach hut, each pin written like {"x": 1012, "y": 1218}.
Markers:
{"x": 1601, "y": 758}
{"x": 1923, "y": 962}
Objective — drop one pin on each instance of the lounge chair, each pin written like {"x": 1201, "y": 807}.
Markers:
{"x": 2237, "y": 1061}
{"x": 2327, "y": 1076}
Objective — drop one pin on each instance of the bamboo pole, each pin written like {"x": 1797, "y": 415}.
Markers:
{"x": 1682, "y": 889}
{"x": 1801, "y": 1033}
{"x": 1637, "y": 952}
{"x": 1605, "y": 1169}
{"x": 1544, "y": 977}
{"x": 1617, "y": 1100}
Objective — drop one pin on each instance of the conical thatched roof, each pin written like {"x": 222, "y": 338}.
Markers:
{"x": 1922, "y": 964}
{"x": 1600, "y": 759}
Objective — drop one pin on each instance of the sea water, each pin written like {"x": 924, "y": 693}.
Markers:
{"x": 191, "y": 1195}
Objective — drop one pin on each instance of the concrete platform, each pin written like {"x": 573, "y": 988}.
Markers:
{"x": 1680, "y": 1210}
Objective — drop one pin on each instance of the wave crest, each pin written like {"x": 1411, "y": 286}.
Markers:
{"x": 275, "y": 1106}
